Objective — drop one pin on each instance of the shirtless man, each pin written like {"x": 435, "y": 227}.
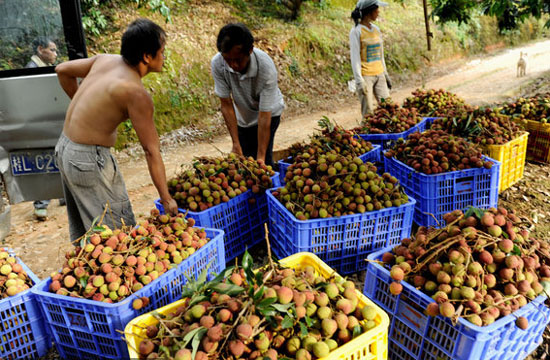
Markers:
{"x": 111, "y": 92}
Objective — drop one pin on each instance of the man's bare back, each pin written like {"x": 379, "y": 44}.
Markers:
{"x": 102, "y": 100}
{"x": 111, "y": 91}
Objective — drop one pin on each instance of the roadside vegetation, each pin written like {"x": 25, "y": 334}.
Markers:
{"x": 311, "y": 51}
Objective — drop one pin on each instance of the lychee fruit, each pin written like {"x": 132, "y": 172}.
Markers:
{"x": 522, "y": 323}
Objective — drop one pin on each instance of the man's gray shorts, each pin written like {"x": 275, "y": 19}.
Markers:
{"x": 91, "y": 179}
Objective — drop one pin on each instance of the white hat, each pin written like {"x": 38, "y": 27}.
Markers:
{"x": 363, "y": 4}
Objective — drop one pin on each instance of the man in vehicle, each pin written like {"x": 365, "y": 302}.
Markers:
{"x": 44, "y": 54}
{"x": 111, "y": 91}
{"x": 246, "y": 82}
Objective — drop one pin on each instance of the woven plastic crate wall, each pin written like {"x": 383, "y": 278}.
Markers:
{"x": 242, "y": 222}
{"x": 512, "y": 160}
{"x": 374, "y": 156}
{"x": 22, "y": 331}
{"x": 87, "y": 329}
{"x": 442, "y": 193}
{"x": 342, "y": 242}
{"x": 414, "y": 335}
{"x": 387, "y": 140}
{"x": 538, "y": 144}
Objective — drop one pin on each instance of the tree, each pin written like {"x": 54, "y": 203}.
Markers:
{"x": 509, "y": 13}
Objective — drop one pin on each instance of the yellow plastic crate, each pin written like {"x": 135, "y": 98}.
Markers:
{"x": 371, "y": 345}
{"x": 512, "y": 160}
{"x": 538, "y": 145}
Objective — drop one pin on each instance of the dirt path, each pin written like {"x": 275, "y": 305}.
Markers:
{"x": 480, "y": 81}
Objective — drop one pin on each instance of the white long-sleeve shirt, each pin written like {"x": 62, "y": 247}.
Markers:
{"x": 366, "y": 52}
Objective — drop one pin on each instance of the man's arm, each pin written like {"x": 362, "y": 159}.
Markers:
{"x": 69, "y": 71}
{"x": 140, "y": 111}
{"x": 264, "y": 134}
{"x": 228, "y": 112}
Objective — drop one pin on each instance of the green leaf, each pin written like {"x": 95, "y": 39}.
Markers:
{"x": 229, "y": 289}
{"x": 165, "y": 350}
{"x": 200, "y": 331}
{"x": 357, "y": 330}
{"x": 267, "y": 312}
{"x": 266, "y": 302}
{"x": 303, "y": 329}
{"x": 309, "y": 322}
{"x": 83, "y": 282}
{"x": 259, "y": 294}
{"x": 98, "y": 229}
{"x": 187, "y": 292}
{"x": 249, "y": 275}
{"x": 281, "y": 307}
{"x": 197, "y": 340}
{"x": 479, "y": 213}
{"x": 224, "y": 274}
{"x": 469, "y": 212}
{"x": 288, "y": 322}
{"x": 259, "y": 278}
{"x": 204, "y": 273}
{"x": 247, "y": 261}
{"x": 198, "y": 299}
{"x": 321, "y": 285}
{"x": 516, "y": 250}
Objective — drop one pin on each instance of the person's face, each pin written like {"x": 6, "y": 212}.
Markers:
{"x": 374, "y": 15}
{"x": 236, "y": 59}
{"x": 48, "y": 54}
{"x": 156, "y": 63}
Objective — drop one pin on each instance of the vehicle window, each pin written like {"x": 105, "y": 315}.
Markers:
{"x": 31, "y": 34}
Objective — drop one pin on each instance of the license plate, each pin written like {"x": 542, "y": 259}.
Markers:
{"x": 33, "y": 162}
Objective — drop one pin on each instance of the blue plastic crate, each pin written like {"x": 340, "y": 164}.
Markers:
{"x": 242, "y": 222}
{"x": 414, "y": 335}
{"x": 387, "y": 140}
{"x": 374, "y": 156}
{"x": 442, "y": 193}
{"x": 87, "y": 329}
{"x": 22, "y": 331}
{"x": 342, "y": 242}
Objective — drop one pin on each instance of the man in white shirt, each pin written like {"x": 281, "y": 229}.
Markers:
{"x": 246, "y": 82}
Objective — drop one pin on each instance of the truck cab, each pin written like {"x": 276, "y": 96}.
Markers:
{"x": 34, "y": 37}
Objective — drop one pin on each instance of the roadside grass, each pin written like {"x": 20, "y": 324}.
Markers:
{"x": 311, "y": 53}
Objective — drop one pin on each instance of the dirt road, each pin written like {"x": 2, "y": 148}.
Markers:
{"x": 479, "y": 81}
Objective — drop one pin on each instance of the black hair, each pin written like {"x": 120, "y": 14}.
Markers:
{"x": 42, "y": 41}
{"x": 142, "y": 37}
{"x": 232, "y": 35}
{"x": 358, "y": 14}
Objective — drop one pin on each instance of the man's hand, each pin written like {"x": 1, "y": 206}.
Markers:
{"x": 170, "y": 206}
{"x": 237, "y": 149}
{"x": 388, "y": 80}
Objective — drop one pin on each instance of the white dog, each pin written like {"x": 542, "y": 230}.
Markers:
{"x": 522, "y": 64}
